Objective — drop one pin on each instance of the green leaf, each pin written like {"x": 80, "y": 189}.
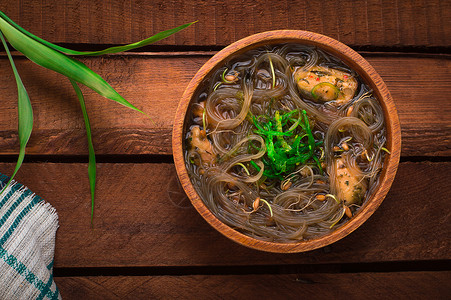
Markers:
{"x": 52, "y": 57}
{"x": 157, "y": 37}
{"x": 58, "y": 62}
{"x": 92, "y": 156}
{"x": 25, "y": 114}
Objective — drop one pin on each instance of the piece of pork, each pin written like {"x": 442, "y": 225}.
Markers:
{"x": 198, "y": 112}
{"x": 323, "y": 84}
{"x": 349, "y": 186}
{"x": 202, "y": 145}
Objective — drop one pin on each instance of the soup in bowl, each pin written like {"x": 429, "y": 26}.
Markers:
{"x": 286, "y": 141}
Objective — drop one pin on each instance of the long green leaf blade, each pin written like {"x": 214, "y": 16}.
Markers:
{"x": 58, "y": 62}
{"x": 25, "y": 114}
{"x": 92, "y": 157}
{"x": 157, "y": 37}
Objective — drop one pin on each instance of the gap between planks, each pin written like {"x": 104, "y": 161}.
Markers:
{"x": 208, "y": 51}
{"x": 154, "y": 158}
{"x": 335, "y": 268}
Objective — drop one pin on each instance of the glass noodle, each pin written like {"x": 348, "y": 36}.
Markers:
{"x": 269, "y": 158}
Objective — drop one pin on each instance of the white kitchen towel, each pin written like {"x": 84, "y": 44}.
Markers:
{"x": 27, "y": 244}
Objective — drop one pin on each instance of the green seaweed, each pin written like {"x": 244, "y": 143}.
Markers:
{"x": 289, "y": 142}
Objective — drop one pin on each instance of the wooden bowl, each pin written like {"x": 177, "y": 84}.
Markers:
{"x": 354, "y": 61}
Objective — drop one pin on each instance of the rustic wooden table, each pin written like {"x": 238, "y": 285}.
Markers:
{"x": 147, "y": 240}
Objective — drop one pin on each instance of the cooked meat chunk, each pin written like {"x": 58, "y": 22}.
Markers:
{"x": 350, "y": 187}
{"x": 326, "y": 84}
{"x": 198, "y": 111}
{"x": 202, "y": 145}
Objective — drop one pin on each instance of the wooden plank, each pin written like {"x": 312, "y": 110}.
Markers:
{"x": 142, "y": 218}
{"x": 386, "y": 23}
{"x": 155, "y": 84}
{"x": 404, "y": 285}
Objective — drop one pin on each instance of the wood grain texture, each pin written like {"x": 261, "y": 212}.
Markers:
{"x": 402, "y": 285}
{"x": 423, "y": 105}
{"x": 142, "y": 218}
{"x": 386, "y": 23}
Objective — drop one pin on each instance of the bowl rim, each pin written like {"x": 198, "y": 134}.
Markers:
{"x": 356, "y": 62}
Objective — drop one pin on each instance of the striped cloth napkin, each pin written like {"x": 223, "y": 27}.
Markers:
{"x": 27, "y": 243}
